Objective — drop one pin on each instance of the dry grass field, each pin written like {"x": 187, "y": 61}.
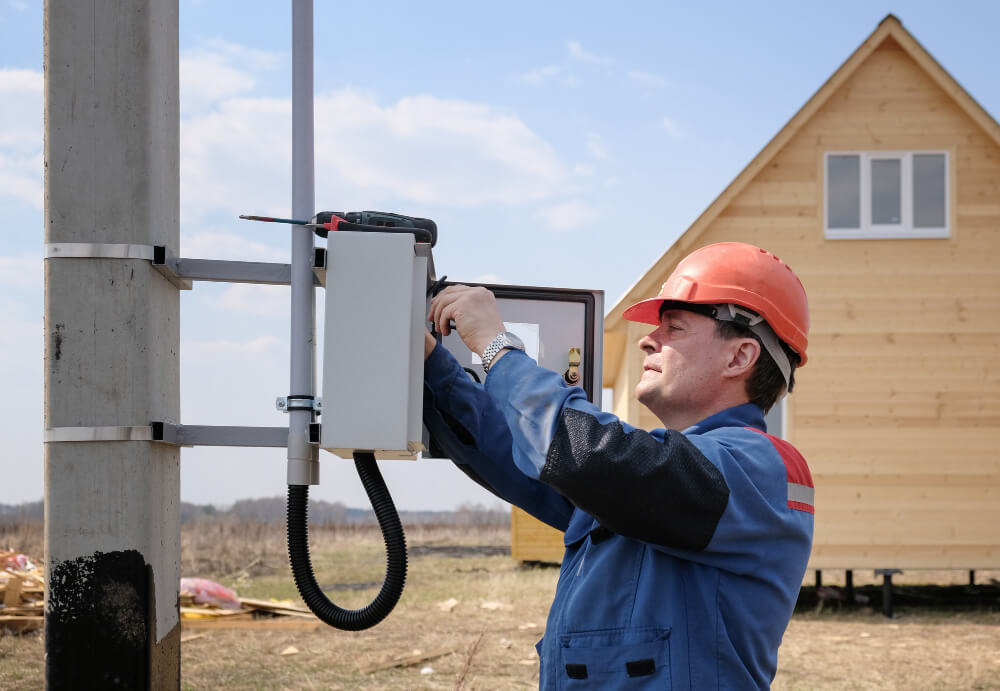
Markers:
{"x": 486, "y": 640}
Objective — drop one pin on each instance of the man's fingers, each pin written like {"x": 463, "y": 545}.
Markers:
{"x": 471, "y": 311}
{"x": 442, "y": 301}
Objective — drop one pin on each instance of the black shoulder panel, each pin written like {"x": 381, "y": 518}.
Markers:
{"x": 666, "y": 493}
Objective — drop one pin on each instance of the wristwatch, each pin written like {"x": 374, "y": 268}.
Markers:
{"x": 503, "y": 340}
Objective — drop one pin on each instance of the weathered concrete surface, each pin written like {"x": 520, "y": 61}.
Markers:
{"x": 112, "y": 342}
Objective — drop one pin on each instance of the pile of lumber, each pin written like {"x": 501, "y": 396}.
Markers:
{"x": 252, "y": 614}
{"x": 22, "y": 594}
{"x": 22, "y": 605}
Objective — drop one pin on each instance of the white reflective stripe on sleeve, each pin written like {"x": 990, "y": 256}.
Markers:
{"x": 801, "y": 493}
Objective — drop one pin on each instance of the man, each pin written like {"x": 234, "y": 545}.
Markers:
{"x": 685, "y": 546}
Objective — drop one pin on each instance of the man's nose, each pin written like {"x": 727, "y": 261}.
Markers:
{"x": 648, "y": 344}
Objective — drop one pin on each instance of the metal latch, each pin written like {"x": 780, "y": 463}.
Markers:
{"x": 572, "y": 373}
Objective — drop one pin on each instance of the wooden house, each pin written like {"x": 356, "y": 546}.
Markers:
{"x": 883, "y": 194}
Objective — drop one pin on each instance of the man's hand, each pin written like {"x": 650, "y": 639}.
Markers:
{"x": 474, "y": 313}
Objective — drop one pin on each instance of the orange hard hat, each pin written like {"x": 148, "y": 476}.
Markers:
{"x": 740, "y": 274}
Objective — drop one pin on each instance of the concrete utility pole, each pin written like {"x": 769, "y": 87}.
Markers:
{"x": 112, "y": 527}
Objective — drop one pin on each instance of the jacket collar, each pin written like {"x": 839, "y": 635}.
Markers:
{"x": 745, "y": 415}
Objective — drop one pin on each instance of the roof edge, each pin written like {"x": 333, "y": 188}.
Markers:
{"x": 889, "y": 26}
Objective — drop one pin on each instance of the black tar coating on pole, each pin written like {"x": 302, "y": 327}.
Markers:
{"x": 97, "y": 622}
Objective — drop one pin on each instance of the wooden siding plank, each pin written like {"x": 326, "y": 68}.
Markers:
{"x": 889, "y": 555}
{"x": 846, "y": 487}
{"x": 884, "y": 440}
{"x": 532, "y": 540}
{"x": 904, "y": 526}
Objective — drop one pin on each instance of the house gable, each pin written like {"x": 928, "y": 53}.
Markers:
{"x": 889, "y": 53}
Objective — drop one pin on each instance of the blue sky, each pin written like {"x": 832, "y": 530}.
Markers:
{"x": 560, "y": 144}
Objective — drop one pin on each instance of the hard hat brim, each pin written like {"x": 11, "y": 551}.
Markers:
{"x": 646, "y": 311}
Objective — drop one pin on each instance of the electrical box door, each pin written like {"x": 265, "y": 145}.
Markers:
{"x": 562, "y": 329}
{"x": 373, "y": 358}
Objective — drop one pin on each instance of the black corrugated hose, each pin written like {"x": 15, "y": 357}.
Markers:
{"x": 395, "y": 552}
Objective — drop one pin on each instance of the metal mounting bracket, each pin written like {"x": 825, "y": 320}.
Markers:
{"x": 287, "y": 403}
{"x": 182, "y": 271}
{"x": 179, "y": 435}
{"x": 209, "y": 435}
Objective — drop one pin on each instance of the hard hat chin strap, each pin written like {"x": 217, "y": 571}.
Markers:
{"x": 729, "y": 312}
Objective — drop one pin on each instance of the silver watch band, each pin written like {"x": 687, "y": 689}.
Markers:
{"x": 494, "y": 347}
{"x": 502, "y": 340}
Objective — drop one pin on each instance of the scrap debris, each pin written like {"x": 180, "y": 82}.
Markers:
{"x": 22, "y": 594}
{"x": 204, "y": 604}
{"x": 409, "y": 659}
{"x": 447, "y": 605}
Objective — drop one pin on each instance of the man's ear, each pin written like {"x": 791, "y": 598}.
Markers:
{"x": 743, "y": 354}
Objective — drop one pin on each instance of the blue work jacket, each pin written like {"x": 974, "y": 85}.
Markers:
{"x": 685, "y": 551}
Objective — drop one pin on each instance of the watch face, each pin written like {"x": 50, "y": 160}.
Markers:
{"x": 514, "y": 341}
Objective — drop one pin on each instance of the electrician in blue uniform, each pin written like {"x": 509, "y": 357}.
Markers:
{"x": 685, "y": 546}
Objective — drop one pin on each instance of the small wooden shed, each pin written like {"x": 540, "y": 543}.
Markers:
{"x": 883, "y": 193}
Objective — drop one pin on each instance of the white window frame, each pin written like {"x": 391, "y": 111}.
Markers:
{"x": 875, "y": 231}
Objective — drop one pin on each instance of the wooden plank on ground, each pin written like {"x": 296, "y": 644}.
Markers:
{"x": 210, "y": 613}
{"x": 408, "y": 659}
{"x": 12, "y": 593}
{"x": 269, "y": 624}
{"x": 21, "y": 624}
{"x": 36, "y": 608}
{"x": 276, "y": 607}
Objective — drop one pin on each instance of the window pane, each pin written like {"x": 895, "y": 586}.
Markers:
{"x": 887, "y": 188}
{"x": 929, "y": 180}
{"x": 843, "y": 179}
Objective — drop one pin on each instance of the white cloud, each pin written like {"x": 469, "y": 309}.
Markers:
{"x": 647, "y": 78}
{"x": 205, "y": 79}
{"x": 540, "y": 75}
{"x": 567, "y": 215}
{"x": 21, "y": 135}
{"x": 671, "y": 128}
{"x": 548, "y": 73}
{"x": 22, "y": 271}
{"x": 577, "y": 52}
{"x": 21, "y": 177}
{"x": 254, "y": 299}
{"x": 596, "y": 146}
{"x": 219, "y": 70}
{"x": 253, "y": 59}
{"x": 21, "y": 343}
{"x": 487, "y": 278}
{"x": 237, "y": 158}
{"x": 584, "y": 170}
{"x": 212, "y": 350}
{"x": 21, "y": 92}
{"x": 18, "y": 5}
{"x": 421, "y": 149}
{"x": 230, "y": 246}
{"x": 435, "y": 151}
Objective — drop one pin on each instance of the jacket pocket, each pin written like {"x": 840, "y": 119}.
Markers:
{"x": 635, "y": 658}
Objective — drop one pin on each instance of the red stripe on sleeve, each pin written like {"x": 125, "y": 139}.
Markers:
{"x": 796, "y": 468}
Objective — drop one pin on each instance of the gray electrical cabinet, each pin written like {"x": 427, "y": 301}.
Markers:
{"x": 376, "y": 285}
{"x": 559, "y": 327}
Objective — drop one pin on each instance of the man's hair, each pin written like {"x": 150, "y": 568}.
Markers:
{"x": 766, "y": 383}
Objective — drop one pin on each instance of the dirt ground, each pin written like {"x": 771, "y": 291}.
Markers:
{"x": 486, "y": 640}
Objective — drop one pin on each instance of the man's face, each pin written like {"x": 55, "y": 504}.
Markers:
{"x": 682, "y": 370}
